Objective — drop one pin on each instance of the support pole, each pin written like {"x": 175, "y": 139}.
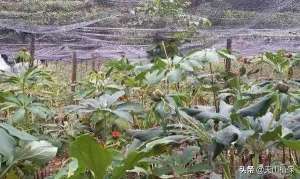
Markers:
{"x": 56, "y": 65}
{"x": 32, "y": 50}
{"x": 94, "y": 57}
{"x": 74, "y": 72}
{"x": 86, "y": 66}
{"x": 227, "y": 60}
{"x": 94, "y": 65}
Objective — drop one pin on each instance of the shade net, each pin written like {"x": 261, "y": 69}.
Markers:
{"x": 109, "y": 29}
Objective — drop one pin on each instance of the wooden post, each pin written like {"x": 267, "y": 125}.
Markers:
{"x": 94, "y": 57}
{"x": 94, "y": 65}
{"x": 56, "y": 64}
{"x": 227, "y": 60}
{"x": 86, "y": 66}
{"x": 74, "y": 72}
{"x": 81, "y": 71}
{"x": 32, "y": 50}
{"x": 99, "y": 64}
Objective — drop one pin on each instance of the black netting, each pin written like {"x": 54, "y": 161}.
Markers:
{"x": 111, "y": 28}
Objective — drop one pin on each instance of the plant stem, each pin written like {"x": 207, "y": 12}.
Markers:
{"x": 290, "y": 156}
{"x": 226, "y": 167}
{"x": 6, "y": 170}
{"x": 213, "y": 90}
{"x": 231, "y": 152}
{"x": 283, "y": 154}
{"x": 269, "y": 158}
{"x": 296, "y": 157}
{"x": 256, "y": 160}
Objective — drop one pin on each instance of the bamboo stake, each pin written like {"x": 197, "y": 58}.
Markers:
{"x": 74, "y": 72}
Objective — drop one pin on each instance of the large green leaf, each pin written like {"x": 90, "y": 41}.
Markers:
{"x": 215, "y": 149}
{"x": 40, "y": 110}
{"x": 225, "y": 109}
{"x": 197, "y": 55}
{"x": 225, "y": 54}
{"x": 130, "y": 106}
{"x": 148, "y": 134}
{"x": 105, "y": 103}
{"x": 212, "y": 56}
{"x": 112, "y": 98}
{"x": 17, "y": 133}
{"x": 278, "y": 61}
{"x": 3, "y": 95}
{"x": 189, "y": 65}
{"x": 258, "y": 109}
{"x": 68, "y": 170}
{"x": 123, "y": 115}
{"x": 162, "y": 109}
{"x": 128, "y": 163}
{"x": 153, "y": 148}
{"x": 266, "y": 122}
{"x": 175, "y": 75}
{"x": 12, "y": 99}
{"x": 132, "y": 160}
{"x": 19, "y": 115}
{"x": 91, "y": 155}
{"x": 154, "y": 77}
{"x": 188, "y": 154}
{"x": 7, "y": 146}
{"x": 292, "y": 144}
{"x": 227, "y": 135}
{"x": 282, "y": 103}
{"x": 169, "y": 140}
{"x": 40, "y": 151}
{"x": 291, "y": 124}
{"x": 204, "y": 56}
{"x": 272, "y": 135}
{"x": 143, "y": 68}
{"x": 204, "y": 116}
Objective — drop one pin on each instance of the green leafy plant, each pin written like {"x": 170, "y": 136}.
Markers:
{"x": 95, "y": 84}
{"x": 24, "y": 106}
{"x": 92, "y": 159}
{"x": 107, "y": 103}
{"x": 28, "y": 80}
{"x": 281, "y": 62}
{"x": 179, "y": 164}
{"x": 17, "y": 147}
{"x": 176, "y": 69}
{"x": 107, "y": 108}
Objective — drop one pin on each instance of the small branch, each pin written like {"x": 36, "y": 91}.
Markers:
{"x": 290, "y": 156}
{"x": 296, "y": 157}
{"x": 165, "y": 50}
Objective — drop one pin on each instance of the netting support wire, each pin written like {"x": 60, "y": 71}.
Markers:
{"x": 31, "y": 29}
